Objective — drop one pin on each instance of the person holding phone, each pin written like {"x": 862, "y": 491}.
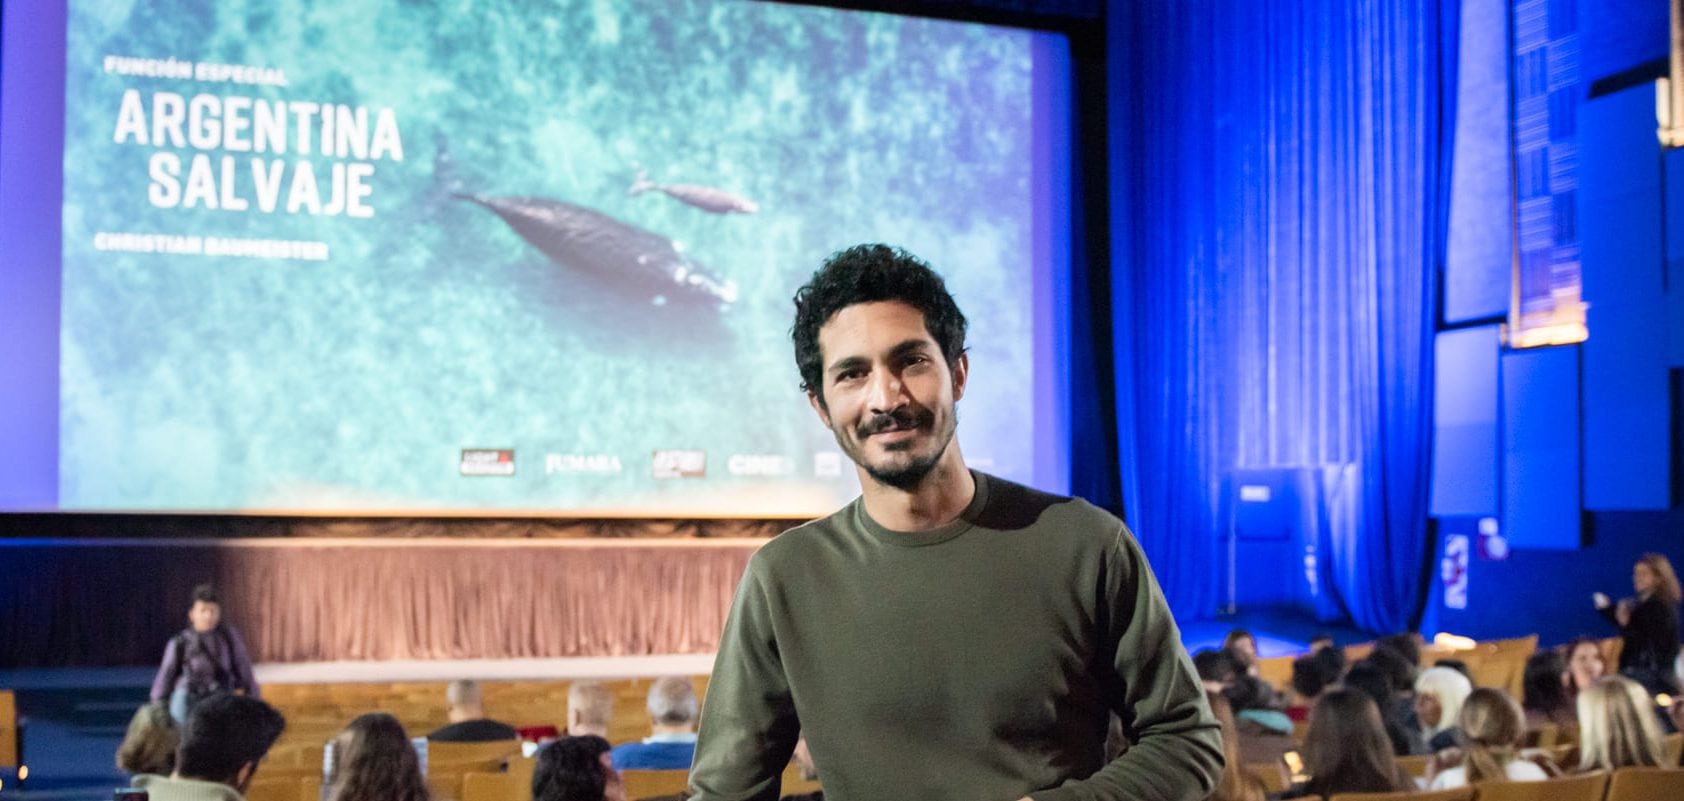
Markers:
{"x": 1346, "y": 750}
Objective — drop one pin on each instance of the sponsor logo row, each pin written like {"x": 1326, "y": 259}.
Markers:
{"x": 663, "y": 464}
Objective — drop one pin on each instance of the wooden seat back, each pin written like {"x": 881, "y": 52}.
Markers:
{"x": 1452, "y": 794}
{"x": 1584, "y": 787}
{"x": 645, "y": 783}
{"x": 1646, "y": 784}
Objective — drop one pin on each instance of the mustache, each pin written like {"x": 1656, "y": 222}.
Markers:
{"x": 894, "y": 420}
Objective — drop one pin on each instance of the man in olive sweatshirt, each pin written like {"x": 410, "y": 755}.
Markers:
{"x": 948, "y": 635}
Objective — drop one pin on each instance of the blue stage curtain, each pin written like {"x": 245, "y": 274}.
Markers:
{"x": 1280, "y": 202}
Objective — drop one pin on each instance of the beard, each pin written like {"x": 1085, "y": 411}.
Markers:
{"x": 906, "y": 474}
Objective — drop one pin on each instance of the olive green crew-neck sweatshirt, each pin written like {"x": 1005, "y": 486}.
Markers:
{"x": 974, "y": 662}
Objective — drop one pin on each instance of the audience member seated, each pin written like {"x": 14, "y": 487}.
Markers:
{"x": 1439, "y": 693}
{"x": 1406, "y": 644}
{"x": 589, "y": 708}
{"x": 225, "y": 738}
{"x": 1492, "y": 725}
{"x": 1333, "y": 660}
{"x": 1545, "y": 684}
{"x": 672, "y": 718}
{"x": 468, "y": 723}
{"x": 1617, "y": 726}
{"x": 373, "y": 760}
{"x": 150, "y": 743}
{"x": 1457, "y": 665}
{"x": 1216, "y": 669}
{"x": 1236, "y": 783}
{"x": 1243, "y": 648}
{"x": 1401, "y": 673}
{"x": 1264, "y": 732}
{"x": 1370, "y": 679}
{"x": 1346, "y": 750}
{"x": 576, "y": 769}
{"x": 1584, "y": 664}
{"x": 1322, "y": 640}
{"x": 1311, "y": 674}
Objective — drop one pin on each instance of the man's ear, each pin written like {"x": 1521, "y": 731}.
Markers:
{"x": 817, "y": 403}
{"x": 242, "y": 777}
{"x": 961, "y": 371}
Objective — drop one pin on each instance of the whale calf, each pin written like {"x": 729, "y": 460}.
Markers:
{"x": 616, "y": 252}
{"x": 706, "y": 198}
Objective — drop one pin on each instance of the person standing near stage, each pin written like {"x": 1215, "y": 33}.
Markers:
{"x": 948, "y": 634}
{"x": 1648, "y": 624}
{"x": 207, "y": 657}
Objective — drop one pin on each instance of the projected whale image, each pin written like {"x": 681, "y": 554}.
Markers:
{"x": 319, "y": 257}
{"x": 615, "y": 252}
{"x": 706, "y": 198}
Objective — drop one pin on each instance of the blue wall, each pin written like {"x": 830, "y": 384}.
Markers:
{"x": 1548, "y": 592}
{"x": 1634, "y": 282}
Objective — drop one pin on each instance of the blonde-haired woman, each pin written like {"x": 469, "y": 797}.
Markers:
{"x": 1617, "y": 727}
{"x": 151, "y": 741}
{"x": 1439, "y": 693}
{"x": 1492, "y": 725}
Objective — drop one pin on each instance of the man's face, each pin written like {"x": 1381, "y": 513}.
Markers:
{"x": 204, "y": 615}
{"x": 888, "y": 392}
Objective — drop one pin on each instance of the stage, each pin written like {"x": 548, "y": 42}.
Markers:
{"x": 112, "y": 602}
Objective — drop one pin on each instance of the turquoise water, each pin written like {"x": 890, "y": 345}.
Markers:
{"x": 200, "y": 382}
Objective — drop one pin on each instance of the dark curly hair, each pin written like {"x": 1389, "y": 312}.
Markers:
{"x": 867, "y": 274}
{"x": 570, "y": 769}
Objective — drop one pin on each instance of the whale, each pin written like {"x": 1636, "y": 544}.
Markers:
{"x": 706, "y": 198}
{"x": 616, "y": 253}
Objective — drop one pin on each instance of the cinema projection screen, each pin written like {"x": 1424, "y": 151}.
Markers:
{"x": 498, "y": 258}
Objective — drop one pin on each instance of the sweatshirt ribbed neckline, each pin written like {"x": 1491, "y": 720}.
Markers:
{"x": 934, "y": 536}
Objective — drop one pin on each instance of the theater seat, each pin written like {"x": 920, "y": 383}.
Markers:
{"x": 1452, "y": 794}
{"x": 1646, "y": 784}
{"x": 284, "y": 788}
{"x": 496, "y": 787}
{"x": 646, "y": 783}
{"x": 1588, "y": 787}
{"x": 1415, "y": 764}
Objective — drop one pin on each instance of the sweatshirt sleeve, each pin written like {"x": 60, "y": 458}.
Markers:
{"x": 244, "y": 678}
{"x": 748, "y": 728}
{"x": 1176, "y": 743}
{"x": 164, "y": 683}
